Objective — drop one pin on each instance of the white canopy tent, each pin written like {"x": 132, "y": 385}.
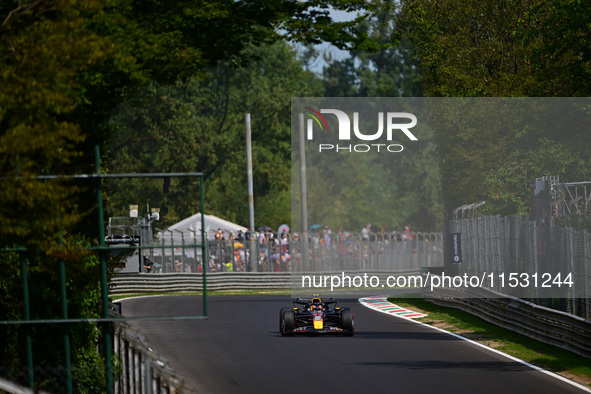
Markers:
{"x": 185, "y": 232}
{"x": 188, "y": 232}
{"x": 192, "y": 226}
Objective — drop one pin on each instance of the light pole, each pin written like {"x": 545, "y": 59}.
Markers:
{"x": 183, "y": 249}
{"x": 251, "y": 246}
{"x": 303, "y": 192}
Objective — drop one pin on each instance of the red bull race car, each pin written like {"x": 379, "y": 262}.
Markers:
{"x": 316, "y": 316}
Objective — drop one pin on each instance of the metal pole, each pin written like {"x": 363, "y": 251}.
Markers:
{"x": 203, "y": 255}
{"x": 67, "y": 352}
{"x": 303, "y": 194}
{"x": 29, "y": 343}
{"x": 172, "y": 258}
{"x": 252, "y": 262}
{"x": 104, "y": 284}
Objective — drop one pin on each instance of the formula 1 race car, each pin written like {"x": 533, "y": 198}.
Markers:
{"x": 315, "y": 316}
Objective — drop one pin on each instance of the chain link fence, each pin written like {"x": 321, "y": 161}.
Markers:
{"x": 547, "y": 265}
{"x": 345, "y": 251}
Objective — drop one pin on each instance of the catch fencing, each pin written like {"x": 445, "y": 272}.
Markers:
{"x": 346, "y": 251}
{"x": 546, "y": 265}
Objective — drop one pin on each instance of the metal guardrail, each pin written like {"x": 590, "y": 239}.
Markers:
{"x": 219, "y": 281}
{"x": 142, "y": 370}
{"x": 546, "y": 325}
{"x": 192, "y": 282}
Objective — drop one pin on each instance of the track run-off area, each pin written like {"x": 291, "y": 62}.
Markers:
{"x": 238, "y": 349}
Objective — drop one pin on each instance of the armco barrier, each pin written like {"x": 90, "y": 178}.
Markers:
{"x": 143, "y": 370}
{"x": 187, "y": 282}
{"x": 546, "y": 325}
{"x": 220, "y": 281}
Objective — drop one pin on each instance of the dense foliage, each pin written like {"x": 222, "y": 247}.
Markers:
{"x": 65, "y": 66}
{"x": 164, "y": 86}
{"x": 389, "y": 191}
{"x": 199, "y": 126}
{"x": 503, "y": 48}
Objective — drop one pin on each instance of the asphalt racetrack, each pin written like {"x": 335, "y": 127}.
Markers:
{"x": 238, "y": 349}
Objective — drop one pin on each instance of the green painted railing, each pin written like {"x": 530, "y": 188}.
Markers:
{"x": 106, "y": 319}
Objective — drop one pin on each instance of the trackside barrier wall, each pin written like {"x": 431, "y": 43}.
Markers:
{"x": 546, "y": 325}
{"x": 216, "y": 281}
{"x": 191, "y": 282}
{"x": 142, "y": 370}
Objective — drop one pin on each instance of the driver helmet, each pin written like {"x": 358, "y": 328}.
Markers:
{"x": 316, "y": 304}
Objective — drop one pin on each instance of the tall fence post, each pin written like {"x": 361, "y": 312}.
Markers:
{"x": 29, "y": 344}
{"x": 251, "y": 242}
{"x": 104, "y": 283}
{"x": 203, "y": 247}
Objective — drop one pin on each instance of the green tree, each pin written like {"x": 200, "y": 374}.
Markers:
{"x": 387, "y": 69}
{"x": 39, "y": 87}
{"x": 406, "y": 185}
{"x": 64, "y": 66}
{"x": 510, "y": 194}
{"x": 502, "y": 49}
{"x": 558, "y": 39}
{"x": 198, "y": 126}
{"x": 469, "y": 49}
{"x": 44, "y": 49}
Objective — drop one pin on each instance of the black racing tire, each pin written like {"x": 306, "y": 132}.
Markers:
{"x": 281, "y": 319}
{"x": 347, "y": 322}
{"x": 288, "y": 322}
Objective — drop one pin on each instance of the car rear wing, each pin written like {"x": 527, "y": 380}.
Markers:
{"x": 306, "y": 301}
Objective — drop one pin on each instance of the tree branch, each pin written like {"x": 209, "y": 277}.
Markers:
{"x": 21, "y": 10}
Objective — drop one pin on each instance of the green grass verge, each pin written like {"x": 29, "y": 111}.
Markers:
{"x": 548, "y": 357}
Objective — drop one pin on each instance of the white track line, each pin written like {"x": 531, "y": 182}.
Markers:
{"x": 363, "y": 302}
